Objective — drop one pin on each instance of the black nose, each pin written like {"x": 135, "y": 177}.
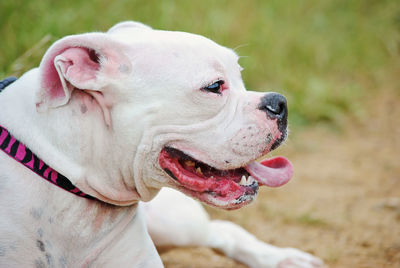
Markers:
{"x": 275, "y": 105}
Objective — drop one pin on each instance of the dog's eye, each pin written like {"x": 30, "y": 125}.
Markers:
{"x": 215, "y": 87}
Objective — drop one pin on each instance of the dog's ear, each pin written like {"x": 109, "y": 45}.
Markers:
{"x": 88, "y": 62}
{"x": 128, "y": 24}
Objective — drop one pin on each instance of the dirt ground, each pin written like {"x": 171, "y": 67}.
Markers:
{"x": 343, "y": 203}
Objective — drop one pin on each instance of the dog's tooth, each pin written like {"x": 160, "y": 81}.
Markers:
{"x": 243, "y": 180}
{"x": 189, "y": 163}
{"x": 250, "y": 180}
{"x": 198, "y": 170}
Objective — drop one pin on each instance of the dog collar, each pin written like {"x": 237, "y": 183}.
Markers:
{"x": 18, "y": 151}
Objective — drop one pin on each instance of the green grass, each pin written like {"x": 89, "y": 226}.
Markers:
{"x": 325, "y": 56}
{"x": 309, "y": 220}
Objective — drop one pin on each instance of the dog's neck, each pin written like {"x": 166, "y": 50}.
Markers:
{"x": 74, "y": 143}
{"x": 93, "y": 225}
{"x": 70, "y": 229}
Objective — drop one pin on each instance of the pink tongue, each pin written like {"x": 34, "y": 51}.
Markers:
{"x": 272, "y": 172}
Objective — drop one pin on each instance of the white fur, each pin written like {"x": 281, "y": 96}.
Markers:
{"x": 149, "y": 82}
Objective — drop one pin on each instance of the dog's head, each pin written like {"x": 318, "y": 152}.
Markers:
{"x": 176, "y": 104}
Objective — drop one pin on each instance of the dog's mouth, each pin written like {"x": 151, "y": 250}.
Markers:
{"x": 229, "y": 189}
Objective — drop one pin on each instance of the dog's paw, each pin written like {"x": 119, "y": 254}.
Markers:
{"x": 294, "y": 258}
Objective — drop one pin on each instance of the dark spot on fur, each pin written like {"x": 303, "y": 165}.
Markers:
{"x": 36, "y": 213}
{"x": 49, "y": 260}
{"x": 83, "y": 108}
{"x": 40, "y": 232}
{"x": 40, "y": 264}
{"x": 40, "y": 245}
{"x": 124, "y": 68}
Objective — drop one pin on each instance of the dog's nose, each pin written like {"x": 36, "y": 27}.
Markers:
{"x": 275, "y": 105}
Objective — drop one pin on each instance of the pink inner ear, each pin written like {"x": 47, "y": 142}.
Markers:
{"x": 51, "y": 81}
{"x": 79, "y": 66}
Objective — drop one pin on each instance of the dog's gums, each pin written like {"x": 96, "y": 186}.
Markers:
{"x": 231, "y": 188}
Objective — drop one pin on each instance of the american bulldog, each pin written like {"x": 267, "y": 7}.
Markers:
{"x": 111, "y": 118}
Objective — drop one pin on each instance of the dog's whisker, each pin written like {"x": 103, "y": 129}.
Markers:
{"x": 240, "y": 46}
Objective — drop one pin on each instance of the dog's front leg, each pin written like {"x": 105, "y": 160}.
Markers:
{"x": 175, "y": 219}
{"x": 239, "y": 244}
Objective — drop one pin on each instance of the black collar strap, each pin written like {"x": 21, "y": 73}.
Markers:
{"x": 6, "y": 82}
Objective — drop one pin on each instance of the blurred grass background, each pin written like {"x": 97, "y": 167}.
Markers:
{"x": 325, "y": 56}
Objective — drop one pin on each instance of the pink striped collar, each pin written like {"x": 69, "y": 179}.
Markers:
{"x": 15, "y": 149}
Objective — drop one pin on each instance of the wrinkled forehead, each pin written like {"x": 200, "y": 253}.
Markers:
{"x": 177, "y": 52}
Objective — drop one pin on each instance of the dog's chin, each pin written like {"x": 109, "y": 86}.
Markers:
{"x": 230, "y": 202}
{"x": 228, "y": 189}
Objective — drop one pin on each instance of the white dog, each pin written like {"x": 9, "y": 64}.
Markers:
{"x": 114, "y": 117}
